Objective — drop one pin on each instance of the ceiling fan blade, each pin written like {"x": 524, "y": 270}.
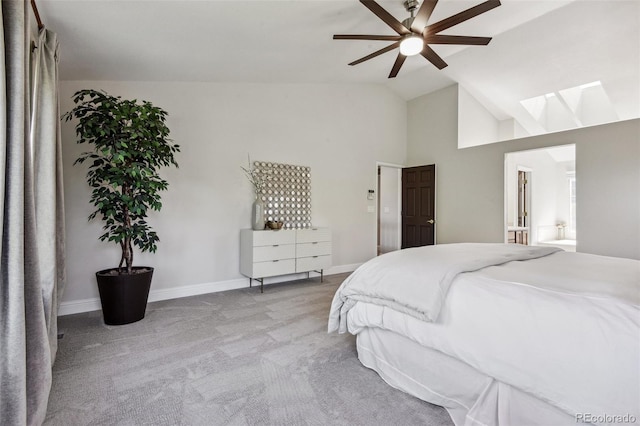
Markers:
{"x": 396, "y": 66}
{"x": 433, "y": 57}
{"x": 423, "y": 15}
{"x": 366, "y": 37}
{"x": 462, "y": 16}
{"x": 385, "y": 16}
{"x": 376, "y": 53}
{"x": 452, "y": 39}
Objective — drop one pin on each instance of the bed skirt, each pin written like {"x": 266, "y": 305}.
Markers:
{"x": 470, "y": 397}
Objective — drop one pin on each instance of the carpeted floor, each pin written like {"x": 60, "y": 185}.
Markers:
{"x": 232, "y": 358}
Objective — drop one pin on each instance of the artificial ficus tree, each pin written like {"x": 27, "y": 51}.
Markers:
{"x": 130, "y": 145}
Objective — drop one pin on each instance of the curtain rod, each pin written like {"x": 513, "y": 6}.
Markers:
{"x": 35, "y": 12}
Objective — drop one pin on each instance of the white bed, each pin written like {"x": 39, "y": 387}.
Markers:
{"x": 551, "y": 339}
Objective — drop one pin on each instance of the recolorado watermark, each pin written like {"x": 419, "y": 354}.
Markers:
{"x": 605, "y": 418}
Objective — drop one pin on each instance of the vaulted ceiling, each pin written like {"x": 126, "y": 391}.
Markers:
{"x": 538, "y": 47}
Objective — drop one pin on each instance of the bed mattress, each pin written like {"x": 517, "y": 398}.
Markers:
{"x": 556, "y": 334}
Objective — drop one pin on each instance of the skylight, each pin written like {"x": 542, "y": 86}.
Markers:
{"x": 584, "y": 105}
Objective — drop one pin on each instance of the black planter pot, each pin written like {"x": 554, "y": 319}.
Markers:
{"x": 123, "y": 296}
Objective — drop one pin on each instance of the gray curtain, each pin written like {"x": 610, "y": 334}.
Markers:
{"x": 32, "y": 215}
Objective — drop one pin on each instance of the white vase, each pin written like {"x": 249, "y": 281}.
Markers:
{"x": 257, "y": 215}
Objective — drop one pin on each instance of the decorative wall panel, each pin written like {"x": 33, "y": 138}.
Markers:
{"x": 286, "y": 193}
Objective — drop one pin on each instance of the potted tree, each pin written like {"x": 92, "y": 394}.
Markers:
{"x": 130, "y": 144}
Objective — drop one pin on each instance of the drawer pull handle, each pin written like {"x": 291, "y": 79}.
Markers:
{"x": 315, "y": 242}
{"x": 315, "y": 257}
{"x": 276, "y": 245}
{"x": 276, "y": 260}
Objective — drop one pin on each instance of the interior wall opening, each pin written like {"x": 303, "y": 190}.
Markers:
{"x": 540, "y": 197}
{"x": 389, "y": 204}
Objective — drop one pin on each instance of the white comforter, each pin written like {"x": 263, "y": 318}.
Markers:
{"x": 563, "y": 327}
{"x": 415, "y": 281}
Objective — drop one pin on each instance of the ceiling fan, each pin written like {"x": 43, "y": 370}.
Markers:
{"x": 415, "y": 36}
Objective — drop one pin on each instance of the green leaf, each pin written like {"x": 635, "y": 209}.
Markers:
{"x": 130, "y": 145}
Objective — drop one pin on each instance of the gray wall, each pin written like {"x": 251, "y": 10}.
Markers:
{"x": 470, "y": 181}
{"x": 340, "y": 131}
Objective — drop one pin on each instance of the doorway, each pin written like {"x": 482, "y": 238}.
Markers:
{"x": 519, "y": 232}
{"x": 405, "y": 206}
{"x": 388, "y": 207}
{"x": 418, "y": 206}
{"x": 540, "y": 197}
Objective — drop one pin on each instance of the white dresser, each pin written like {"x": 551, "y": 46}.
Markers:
{"x": 270, "y": 253}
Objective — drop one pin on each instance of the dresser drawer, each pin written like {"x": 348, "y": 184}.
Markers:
{"x": 304, "y": 264}
{"x": 313, "y": 249}
{"x": 313, "y": 235}
{"x": 274, "y": 252}
{"x": 269, "y": 238}
{"x": 274, "y": 267}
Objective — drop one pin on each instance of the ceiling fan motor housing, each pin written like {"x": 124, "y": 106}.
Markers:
{"x": 407, "y": 22}
{"x": 411, "y": 5}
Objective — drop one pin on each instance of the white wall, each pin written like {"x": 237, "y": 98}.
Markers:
{"x": 470, "y": 204}
{"x": 563, "y": 207}
{"x": 510, "y": 129}
{"x": 389, "y": 193}
{"x": 476, "y": 125}
{"x": 340, "y": 131}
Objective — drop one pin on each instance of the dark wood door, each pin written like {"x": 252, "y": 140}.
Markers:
{"x": 418, "y": 206}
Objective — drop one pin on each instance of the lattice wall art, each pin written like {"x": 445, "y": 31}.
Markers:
{"x": 286, "y": 193}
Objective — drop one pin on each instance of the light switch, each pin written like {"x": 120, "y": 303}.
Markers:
{"x": 371, "y": 209}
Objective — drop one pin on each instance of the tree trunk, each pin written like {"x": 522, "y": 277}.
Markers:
{"x": 121, "y": 255}
{"x": 127, "y": 250}
{"x": 127, "y": 253}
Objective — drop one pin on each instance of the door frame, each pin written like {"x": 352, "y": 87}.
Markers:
{"x": 529, "y": 197}
{"x": 528, "y": 173}
{"x": 377, "y": 201}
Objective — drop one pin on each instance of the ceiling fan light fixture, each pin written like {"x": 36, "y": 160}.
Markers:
{"x": 416, "y": 34}
{"x": 411, "y": 45}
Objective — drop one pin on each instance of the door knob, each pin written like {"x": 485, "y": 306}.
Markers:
{"x": 431, "y": 221}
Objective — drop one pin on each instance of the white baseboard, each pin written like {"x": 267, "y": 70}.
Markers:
{"x": 87, "y": 305}
{"x": 78, "y": 306}
{"x": 341, "y": 269}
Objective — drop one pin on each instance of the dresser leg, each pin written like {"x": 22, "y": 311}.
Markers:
{"x": 260, "y": 280}
{"x": 321, "y": 272}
